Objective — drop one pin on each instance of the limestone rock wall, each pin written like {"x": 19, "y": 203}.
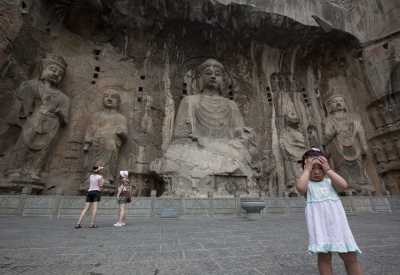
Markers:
{"x": 367, "y": 20}
{"x": 274, "y": 53}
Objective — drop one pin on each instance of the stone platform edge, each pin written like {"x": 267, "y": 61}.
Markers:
{"x": 59, "y": 206}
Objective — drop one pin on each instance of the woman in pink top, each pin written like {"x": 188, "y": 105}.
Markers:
{"x": 93, "y": 196}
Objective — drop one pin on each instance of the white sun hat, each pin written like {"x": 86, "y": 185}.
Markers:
{"x": 124, "y": 174}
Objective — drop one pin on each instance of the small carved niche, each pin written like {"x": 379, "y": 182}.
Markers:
{"x": 269, "y": 95}
{"x": 306, "y": 99}
{"x": 230, "y": 92}
{"x": 96, "y": 53}
{"x": 48, "y": 30}
{"x": 184, "y": 89}
{"x": 95, "y": 74}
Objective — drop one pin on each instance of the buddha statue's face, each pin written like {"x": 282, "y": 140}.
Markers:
{"x": 111, "y": 99}
{"x": 53, "y": 73}
{"x": 336, "y": 104}
{"x": 311, "y": 131}
{"x": 292, "y": 117}
{"x": 212, "y": 76}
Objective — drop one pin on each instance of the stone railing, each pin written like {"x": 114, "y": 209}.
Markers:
{"x": 58, "y": 206}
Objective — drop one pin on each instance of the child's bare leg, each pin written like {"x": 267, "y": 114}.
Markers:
{"x": 83, "y": 212}
{"x": 325, "y": 263}
{"x": 121, "y": 213}
{"x": 125, "y": 213}
{"x": 94, "y": 211}
{"x": 351, "y": 263}
{"x": 118, "y": 212}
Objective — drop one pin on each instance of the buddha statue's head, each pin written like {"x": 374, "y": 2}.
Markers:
{"x": 291, "y": 117}
{"x": 53, "y": 69}
{"x": 336, "y": 103}
{"x": 111, "y": 98}
{"x": 211, "y": 76}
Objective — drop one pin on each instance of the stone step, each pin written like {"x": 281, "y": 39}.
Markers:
{"x": 394, "y": 203}
{"x": 168, "y": 213}
{"x": 380, "y": 205}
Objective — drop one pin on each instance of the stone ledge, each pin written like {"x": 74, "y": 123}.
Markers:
{"x": 70, "y": 206}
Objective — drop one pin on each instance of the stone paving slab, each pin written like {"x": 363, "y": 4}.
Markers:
{"x": 231, "y": 245}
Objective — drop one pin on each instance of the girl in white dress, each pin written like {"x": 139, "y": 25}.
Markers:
{"x": 328, "y": 229}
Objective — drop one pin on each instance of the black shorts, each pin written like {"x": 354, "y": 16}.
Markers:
{"x": 93, "y": 196}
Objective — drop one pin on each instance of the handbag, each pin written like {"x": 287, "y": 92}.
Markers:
{"x": 127, "y": 195}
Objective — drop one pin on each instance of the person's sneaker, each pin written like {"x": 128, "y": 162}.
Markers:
{"x": 123, "y": 224}
{"x": 118, "y": 224}
{"x": 77, "y": 226}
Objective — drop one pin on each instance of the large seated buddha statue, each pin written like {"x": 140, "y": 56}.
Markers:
{"x": 211, "y": 148}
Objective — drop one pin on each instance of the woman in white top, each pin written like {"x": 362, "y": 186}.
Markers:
{"x": 93, "y": 196}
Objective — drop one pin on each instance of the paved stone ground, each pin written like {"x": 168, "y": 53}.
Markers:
{"x": 274, "y": 244}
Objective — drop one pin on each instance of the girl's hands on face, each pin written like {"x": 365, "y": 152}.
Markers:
{"x": 312, "y": 160}
{"x": 324, "y": 163}
{"x": 308, "y": 164}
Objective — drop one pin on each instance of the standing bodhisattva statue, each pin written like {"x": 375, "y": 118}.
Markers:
{"x": 347, "y": 144}
{"x": 209, "y": 138}
{"x": 106, "y": 133}
{"x": 292, "y": 144}
{"x": 44, "y": 109}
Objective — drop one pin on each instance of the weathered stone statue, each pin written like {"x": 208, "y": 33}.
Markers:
{"x": 43, "y": 110}
{"x": 313, "y": 136}
{"x": 346, "y": 142}
{"x": 379, "y": 154}
{"x": 209, "y": 138}
{"x": 168, "y": 121}
{"x": 147, "y": 122}
{"x": 293, "y": 145}
{"x": 106, "y": 133}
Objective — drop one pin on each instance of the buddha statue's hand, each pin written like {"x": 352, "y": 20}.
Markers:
{"x": 201, "y": 141}
{"x": 86, "y": 147}
{"x": 193, "y": 138}
{"x": 364, "y": 154}
{"x": 121, "y": 133}
{"x": 236, "y": 143}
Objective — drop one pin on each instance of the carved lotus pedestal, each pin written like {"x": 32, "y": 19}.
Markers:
{"x": 229, "y": 184}
{"x": 26, "y": 186}
{"x": 217, "y": 185}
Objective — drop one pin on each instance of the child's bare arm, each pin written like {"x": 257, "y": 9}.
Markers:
{"x": 338, "y": 181}
{"x": 302, "y": 181}
{"x": 119, "y": 191}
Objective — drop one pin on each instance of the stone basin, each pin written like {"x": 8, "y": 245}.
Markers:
{"x": 252, "y": 206}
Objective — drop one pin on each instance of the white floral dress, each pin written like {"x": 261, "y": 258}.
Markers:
{"x": 328, "y": 229}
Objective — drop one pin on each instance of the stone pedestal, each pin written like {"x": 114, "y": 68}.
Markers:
{"x": 252, "y": 206}
{"x": 230, "y": 185}
{"x": 22, "y": 186}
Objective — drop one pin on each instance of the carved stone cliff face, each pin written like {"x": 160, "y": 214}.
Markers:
{"x": 273, "y": 53}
